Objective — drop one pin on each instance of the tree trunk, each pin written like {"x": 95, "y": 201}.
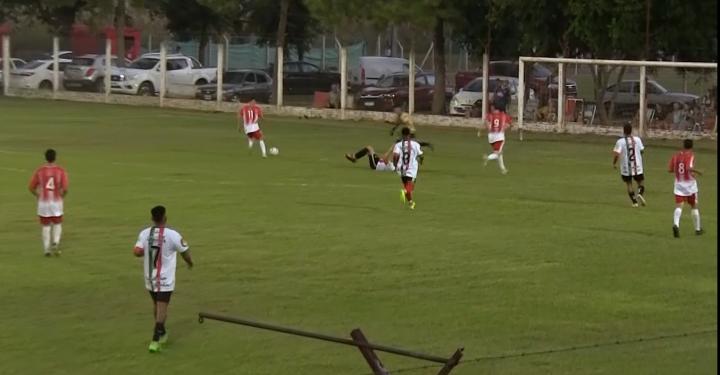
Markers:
{"x": 120, "y": 17}
{"x": 280, "y": 40}
{"x": 203, "y": 45}
{"x": 438, "y": 103}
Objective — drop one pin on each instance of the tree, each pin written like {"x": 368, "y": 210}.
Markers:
{"x": 286, "y": 23}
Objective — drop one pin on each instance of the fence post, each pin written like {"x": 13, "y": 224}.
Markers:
{"x": 561, "y": 97}
{"x": 485, "y": 76}
{"x": 411, "y": 81}
{"x": 226, "y": 52}
{"x": 56, "y": 66}
{"x": 343, "y": 81}
{"x": 163, "y": 69}
{"x": 6, "y": 64}
{"x": 220, "y": 70}
{"x": 467, "y": 59}
{"x": 149, "y": 42}
{"x": 108, "y": 68}
{"x": 521, "y": 95}
{"x": 323, "y": 64}
{"x": 643, "y": 100}
{"x": 378, "y": 47}
{"x": 279, "y": 75}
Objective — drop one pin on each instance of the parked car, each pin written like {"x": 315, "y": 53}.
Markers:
{"x": 372, "y": 68}
{"x": 37, "y": 74}
{"x": 471, "y": 95}
{"x": 540, "y": 77}
{"x": 301, "y": 77}
{"x": 240, "y": 86}
{"x": 63, "y": 55}
{"x": 14, "y": 64}
{"x": 87, "y": 72}
{"x": 142, "y": 76}
{"x": 629, "y": 96}
{"x": 391, "y": 91}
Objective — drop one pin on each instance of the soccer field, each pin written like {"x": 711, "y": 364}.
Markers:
{"x": 549, "y": 256}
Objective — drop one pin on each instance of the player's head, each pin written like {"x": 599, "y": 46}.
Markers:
{"x": 405, "y": 132}
{"x": 252, "y": 101}
{"x": 50, "y": 155}
{"x": 158, "y": 215}
{"x": 688, "y": 144}
{"x": 627, "y": 129}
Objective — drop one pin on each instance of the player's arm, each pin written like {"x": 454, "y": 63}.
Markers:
{"x": 239, "y": 121}
{"x": 64, "y": 191}
{"x": 616, "y": 156}
{"x": 182, "y": 247}
{"x": 386, "y": 155}
{"x": 692, "y": 168}
{"x": 187, "y": 258}
{"x": 139, "y": 250}
{"x": 32, "y": 186}
{"x": 671, "y": 166}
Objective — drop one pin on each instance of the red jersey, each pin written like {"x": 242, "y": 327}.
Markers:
{"x": 498, "y": 121}
{"x": 50, "y": 181}
{"x": 251, "y": 114}
{"x": 681, "y": 164}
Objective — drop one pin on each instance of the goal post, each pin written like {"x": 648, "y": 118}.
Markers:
{"x": 559, "y": 115}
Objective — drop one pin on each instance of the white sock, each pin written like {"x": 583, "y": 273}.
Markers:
{"x": 46, "y": 237}
{"x": 492, "y": 156}
{"x": 676, "y": 217}
{"x": 696, "y": 217}
{"x": 250, "y": 143}
{"x": 501, "y": 163}
{"x": 56, "y": 233}
{"x": 262, "y": 147}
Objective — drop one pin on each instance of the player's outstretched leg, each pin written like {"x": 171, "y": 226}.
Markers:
{"x": 631, "y": 193}
{"x": 46, "y": 233}
{"x": 359, "y": 154}
{"x": 676, "y": 220}
{"x": 262, "y": 147}
{"x": 501, "y": 163}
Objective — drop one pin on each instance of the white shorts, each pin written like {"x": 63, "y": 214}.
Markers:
{"x": 50, "y": 208}
{"x": 251, "y": 128}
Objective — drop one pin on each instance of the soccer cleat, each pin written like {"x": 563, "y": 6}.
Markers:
{"x": 412, "y": 205}
{"x": 504, "y": 171}
{"x": 154, "y": 347}
{"x": 350, "y": 157}
{"x": 641, "y": 199}
{"x": 635, "y": 205}
{"x": 485, "y": 158}
{"x": 699, "y": 232}
{"x": 47, "y": 254}
{"x": 163, "y": 339}
{"x": 676, "y": 231}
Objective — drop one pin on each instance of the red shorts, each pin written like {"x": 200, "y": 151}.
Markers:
{"x": 690, "y": 199}
{"x": 497, "y": 146}
{"x": 256, "y": 135}
{"x": 50, "y": 220}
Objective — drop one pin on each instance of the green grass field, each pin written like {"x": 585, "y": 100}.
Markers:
{"x": 549, "y": 256}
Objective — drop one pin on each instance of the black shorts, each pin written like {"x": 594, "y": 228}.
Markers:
{"x": 373, "y": 160}
{"x": 160, "y": 296}
{"x": 638, "y": 178}
{"x": 405, "y": 179}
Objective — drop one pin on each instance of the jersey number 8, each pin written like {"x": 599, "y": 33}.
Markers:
{"x": 681, "y": 168}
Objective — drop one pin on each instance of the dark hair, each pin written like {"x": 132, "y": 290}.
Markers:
{"x": 405, "y": 131}
{"x": 50, "y": 155}
{"x": 688, "y": 144}
{"x": 627, "y": 129}
{"x": 158, "y": 213}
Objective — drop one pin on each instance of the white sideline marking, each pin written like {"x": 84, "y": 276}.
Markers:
{"x": 13, "y": 169}
{"x": 12, "y": 152}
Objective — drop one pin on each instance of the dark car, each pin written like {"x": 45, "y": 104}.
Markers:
{"x": 542, "y": 80}
{"x": 240, "y": 86}
{"x": 300, "y": 77}
{"x": 391, "y": 91}
{"x": 628, "y": 97}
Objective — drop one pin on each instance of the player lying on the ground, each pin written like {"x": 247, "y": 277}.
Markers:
{"x": 376, "y": 162}
{"x": 49, "y": 184}
{"x": 407, "y": 156}
{"x": 682, "y": 165}
{"x": 497, "y": 122}
{"x": 250, "y": 114}
{"x": 403, "y": 119}
{"x": 629, "y": 150}
{"x": 159, "y": 245}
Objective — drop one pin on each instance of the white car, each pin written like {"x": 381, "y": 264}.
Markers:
{"x": 371, "y": 68}
{"x": 471, "y": 94}
{"x": 36, "y": 74}
{"x": 142, "y": 76}
{"x": 14, "y": 64}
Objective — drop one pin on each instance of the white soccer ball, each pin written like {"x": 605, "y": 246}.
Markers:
{"x": 274, "y": 151}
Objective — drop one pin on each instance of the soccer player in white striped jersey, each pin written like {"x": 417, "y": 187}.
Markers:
{"x": 407, "y": 157}
{"x": 629, "y": 151}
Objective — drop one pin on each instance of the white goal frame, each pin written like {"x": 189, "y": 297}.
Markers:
{"x": 561, "y": 61}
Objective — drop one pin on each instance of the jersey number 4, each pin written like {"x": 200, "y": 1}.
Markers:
{"x": 50, "y": 184}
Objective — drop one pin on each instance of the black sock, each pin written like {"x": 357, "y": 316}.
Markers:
{"x": 641, "y": 189}
{"x": 159, "y": 331}
{"x": 632, "y": 197}
{"x": 361, "y": 153}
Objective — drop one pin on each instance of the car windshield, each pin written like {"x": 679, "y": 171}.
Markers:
{"x": 541, "y": 71}
{"x": 656, "y": 88}
{"x": 83, "y": 61}
{"x": 392, "y": 81}
{"x": 33, "y": 64}
{"x": 143, "y": 64}
{"x": 233, "y": 77}
{"x": 473, "y": 86}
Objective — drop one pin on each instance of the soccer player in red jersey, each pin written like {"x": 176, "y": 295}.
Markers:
{"x": 250, "y": 115}
{"x": 682, "y": 165}
{"x": 49, "y": 184}
{"x": 497, "y": 122}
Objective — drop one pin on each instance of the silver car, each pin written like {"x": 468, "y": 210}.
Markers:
{"x": 87, "y": 73}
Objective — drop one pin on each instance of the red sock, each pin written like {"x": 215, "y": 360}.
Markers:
{"x": 408, "y": 190}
